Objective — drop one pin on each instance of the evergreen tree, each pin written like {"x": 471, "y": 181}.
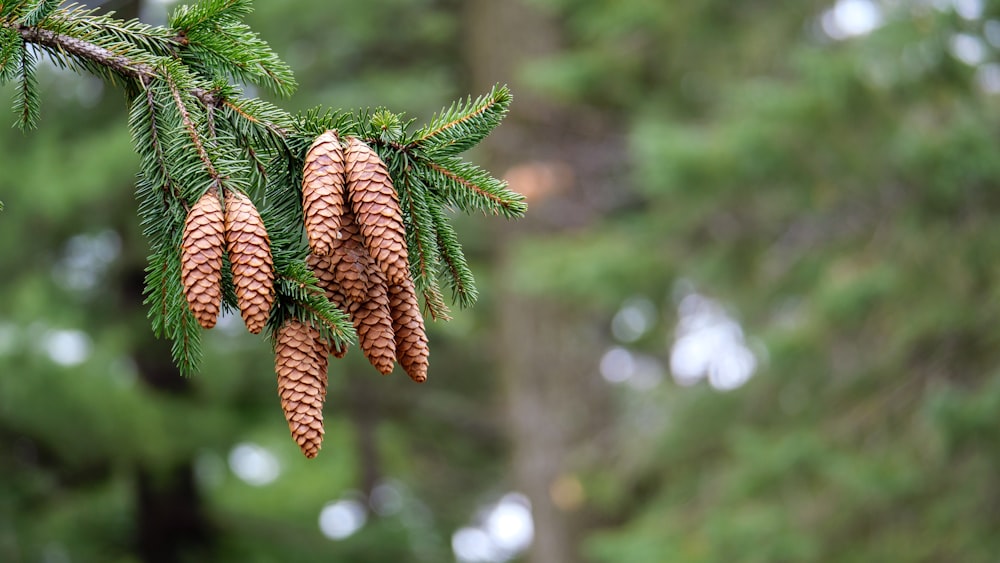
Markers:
{"x": 838, "y": 192}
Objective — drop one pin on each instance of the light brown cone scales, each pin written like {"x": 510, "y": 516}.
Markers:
{"x": 370, "y": 316}
{"x": 376, "y": 210}
{"x": 300, "y": 361}
{"x": 320, "y": 266}
{"x": 348, "y": 265}
{"x": 326, "y": 275}
{"x": 373, "y": 323}
{"x": 323, "y": 183}
{"x": 369, "y": 311}
{"x": 201, "y": 258}
{"x": 408, "y": 325}
{"x": 250, "y": 258}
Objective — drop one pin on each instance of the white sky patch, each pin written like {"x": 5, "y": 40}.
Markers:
{"x": 66, "y": 347}
{"x": 506, "y": 530}
{"x": 254, "y": 464}
{"x": 967, "y": 48}
{"x": 967, "y": 9}
{"x": 341, "y": 519}
{"x": 510, "y": 525}
{"x": 617, "y": 365}
{"x": 851, "y": 18}
{"x": 709, "y": 344}
{"x": 473, "y": 545}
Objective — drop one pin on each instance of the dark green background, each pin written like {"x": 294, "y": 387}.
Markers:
{"x": 837, "y": 197}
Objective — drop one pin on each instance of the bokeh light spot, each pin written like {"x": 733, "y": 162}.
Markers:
{"x": 342, "y": 518}
{"x": 67, "y": 347}
{"x": 254, "y": 464}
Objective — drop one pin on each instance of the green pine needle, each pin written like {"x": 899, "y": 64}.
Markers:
{"x": 462, "y": 126}
{"x": 11, "y": 46}
{"x": 469, "y": 188}
{"x": 26, "y": 99}
{"x": 454, "y": 266}
{"x": 38, "y": 11}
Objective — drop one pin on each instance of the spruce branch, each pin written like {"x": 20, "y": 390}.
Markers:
{"x": 462, "y": 126}
{"x": 195, "y": 132}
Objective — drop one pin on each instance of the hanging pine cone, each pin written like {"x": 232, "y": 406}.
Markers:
{"x": 373, "y": 323}
{"x": 323, "y": 192}
{"x": 300, "y": 360}
{"x": 250, "y": 257}
{"x": 408, "y": 325}
{"x": 201, "y": 258}
{"x": 376, "y": 210}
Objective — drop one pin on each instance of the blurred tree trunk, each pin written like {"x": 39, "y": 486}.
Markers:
{"x": 555, "y": 402}
{"x": 169, "y": 515}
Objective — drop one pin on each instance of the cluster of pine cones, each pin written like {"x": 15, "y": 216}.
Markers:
{"x": 358, "y": 253}
{"x": 241, "y": 231}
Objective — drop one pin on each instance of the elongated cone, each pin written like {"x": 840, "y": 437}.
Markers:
{"x": 250, "y": 257}
{"x": 373, "y": 323}
{"x": 408, "y": 325}
{"x": 201, "y": 258}
{"x": 323, "y": 183}
{"x": 376, "y": 210}
{"x": 300, "y": 360}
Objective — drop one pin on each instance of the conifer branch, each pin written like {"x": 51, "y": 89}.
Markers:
{"x": 191, "y": 127}
{"x": 122, "y": 65}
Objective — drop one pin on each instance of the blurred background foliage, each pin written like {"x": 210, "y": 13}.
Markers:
{"x": 752, "y": 315}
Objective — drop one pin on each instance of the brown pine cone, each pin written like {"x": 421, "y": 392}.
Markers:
{"x": 326, "y": 275}
{"x": 407, "y": 323}
{"x": 320, "y": 265}
{"x": 323, "y": 192}
{"x": 300, "y": 360}
{"x": 348, "y": 265}
{"x": 250, "y": 257}
{"x": 370, "y": 315}
{"x": 201, "y": 258}
{"x": 376, "y": 210}
{"x": 373, "y": 323}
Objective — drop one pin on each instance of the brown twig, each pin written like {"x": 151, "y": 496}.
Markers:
{"x": 121, "y": 64}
